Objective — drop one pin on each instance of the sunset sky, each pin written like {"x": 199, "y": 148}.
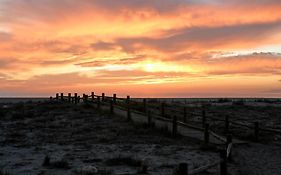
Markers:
{"x": 144, "y": 48}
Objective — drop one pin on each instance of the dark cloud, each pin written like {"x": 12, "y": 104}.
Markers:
{"x": 7, "y": 62}
{"x": 58, "y": 46}
{"x": 140, "y": 73}
{"x": 203, "y": 37}
{"x": 103, "y": 46}
{"x": 251, "y": 2}
{"x": 250, "y": 71}
{"x": 56, "y": 62}
{"x": 51, "y": 6}
{"x": 115, "y": 61}
{"x": 93, "y": 64}
{"x": 3, "y": 76}
{"x": 101, "y": 77}
{"x": 253, "y": 64}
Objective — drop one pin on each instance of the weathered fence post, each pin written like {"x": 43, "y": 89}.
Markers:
{"x": 75, "y": 98}
{"x": 175, "y": 126}
{"x": 163, "y": 109}
{"x": 203, "y": 118}
{"x": 206, "y": 134}
{"x": 114, "y": 98}
{"x": 51, "y": 98}
{"x": 184, "y": 114}
{"x": 223, "y": 163}
{"x": 144, "y": 105}
{"x": 93, "y": 96}
{"x": 57, "y": 96}
{"x": 226, "y": 124}
{"x": 69, "y": 97}
{"x": 256, "y": 131}
{"x": 102, "y": 96}
{"x": 229, "y": 139}
{"x": 79, "y": 98}
{"x": 98, "y": 102}
{"x": 228, "y": 142}
{"x": 86, "y": 98}
{"x": 128, "y": 108}
{"x": 111, "y": 107}
{"x": 128, "y": 99}
{"x": 61, "y": 96}
{"x": 183, "y": 169}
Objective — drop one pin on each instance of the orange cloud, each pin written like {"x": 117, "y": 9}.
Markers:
{"x": 162, "y": 44}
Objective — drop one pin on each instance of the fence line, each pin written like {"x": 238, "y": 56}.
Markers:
{"x": 125, "y": 104}
{"x": 165, "y": 111}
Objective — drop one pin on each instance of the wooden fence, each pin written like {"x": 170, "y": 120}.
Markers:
{"x": 168, "y": 114}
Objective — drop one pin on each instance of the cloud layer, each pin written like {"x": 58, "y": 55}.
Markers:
{"x": 147, "y": 46}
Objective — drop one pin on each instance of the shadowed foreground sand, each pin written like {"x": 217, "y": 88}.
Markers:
{"x": 77, "y": 137}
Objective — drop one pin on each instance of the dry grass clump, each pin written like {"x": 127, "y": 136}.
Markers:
{"x": 58, "y": 164}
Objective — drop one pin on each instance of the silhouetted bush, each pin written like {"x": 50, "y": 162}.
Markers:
{"x": 60, "y": 164}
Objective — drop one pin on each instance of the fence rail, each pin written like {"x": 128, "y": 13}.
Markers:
{"x": 161, "y": 111}
{"x": 166, "y": 111}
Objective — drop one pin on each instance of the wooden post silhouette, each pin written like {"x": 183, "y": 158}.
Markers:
{"x": 103, "y": 96}
{"x": 57, "y": 96}
{"x": 206, "y": 134}
{"x": 114, "y": 98}
{"x": 86, "y": 98}
{"x": 75, "y": 98}
{"x": 144, "y": 105}
{"x": 128, "y": 108}
{"x": 183, "y": 169}
{"x": 61, "y": 96}
{"x": 128, "y": 99}
{"x": 69, "y": 97}
{"x": 229, "y": 139}
{"x": 93, "y": 96}
{"x": 228, "y": 142}
{"x": 175, "y": 126}
{"x": 223, "y": 164}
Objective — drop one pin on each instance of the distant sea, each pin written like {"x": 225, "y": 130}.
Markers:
{"x": 192, "y": 100}
{"x": 23, "y": 100}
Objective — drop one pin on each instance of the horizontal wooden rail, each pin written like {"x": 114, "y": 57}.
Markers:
{"x": 162, "y": 111}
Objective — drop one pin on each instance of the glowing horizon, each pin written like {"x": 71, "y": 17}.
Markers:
{"x": 159, "y": 48}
